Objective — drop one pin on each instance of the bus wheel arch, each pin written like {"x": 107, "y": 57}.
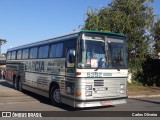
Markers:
{"x": 54, "y": 94}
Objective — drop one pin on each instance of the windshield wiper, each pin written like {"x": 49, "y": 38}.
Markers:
{"x": 116, "y": 66}
{"x": 96, "y": 69}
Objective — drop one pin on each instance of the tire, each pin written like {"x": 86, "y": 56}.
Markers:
{"x": 16, "y": 84}
{"x": 20, "y": 86}
{"x": 55, "y": 96}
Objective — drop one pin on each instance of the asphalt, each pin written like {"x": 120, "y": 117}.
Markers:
{"x": 133, "y": 94}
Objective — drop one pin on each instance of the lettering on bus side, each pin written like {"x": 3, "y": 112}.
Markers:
{"x": 107, "y": 74}
{"x": 98, "y": 74}
{"x": 94, "y": 74}
{"x": 34, "y": 66}
{"x": 53, "y": 68}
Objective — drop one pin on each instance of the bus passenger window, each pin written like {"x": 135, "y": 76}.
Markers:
{"x": 53, "y": 51}
{"x": 13, "y": 55}
{"x": 8, "y": 55}
{"x": 25, "y": 54}
{"x": 59, "y": 50}
{"x": 19, "y": 54}
{"x": 43, "y": 51}
{"x": 56, "y": 50}
{"x": 33, "y": 52}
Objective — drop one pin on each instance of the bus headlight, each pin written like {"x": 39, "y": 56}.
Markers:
{"x": 88, "y": 93}
{"x": 122, "y": 91}
{"x": 88, "y": 87}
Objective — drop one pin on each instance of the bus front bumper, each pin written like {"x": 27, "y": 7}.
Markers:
{"x": 93, "y": 102}
{"x": 96, "y": 103}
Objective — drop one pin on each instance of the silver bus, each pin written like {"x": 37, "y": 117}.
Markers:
{"x": 81, "y": 69}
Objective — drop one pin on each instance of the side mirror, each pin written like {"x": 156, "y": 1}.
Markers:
{"x": 71, "y": 57}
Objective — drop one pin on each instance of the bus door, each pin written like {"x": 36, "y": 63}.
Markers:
{"x": 70, "y": 71}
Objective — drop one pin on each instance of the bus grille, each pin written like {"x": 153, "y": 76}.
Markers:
{"x": 98, "y": 82}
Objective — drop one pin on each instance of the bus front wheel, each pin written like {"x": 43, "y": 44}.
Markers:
{"x": 55, "y": 95}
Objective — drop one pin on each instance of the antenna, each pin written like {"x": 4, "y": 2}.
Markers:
{"x": 79, "y": 28}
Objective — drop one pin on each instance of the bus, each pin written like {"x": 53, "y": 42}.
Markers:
{"x": 84, "y": 68}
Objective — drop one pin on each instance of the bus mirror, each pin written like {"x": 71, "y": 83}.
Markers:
{"x": 71, "y": 58}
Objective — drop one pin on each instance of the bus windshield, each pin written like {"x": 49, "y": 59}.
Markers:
{"x": 96, "y": 52}
{"x": 116, "y": 55}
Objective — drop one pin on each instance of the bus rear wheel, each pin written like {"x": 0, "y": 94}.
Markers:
{"x": 18, "y": 85}
{"x": 55, "y": 96}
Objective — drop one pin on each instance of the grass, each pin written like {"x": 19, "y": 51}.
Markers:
{"x": 139, "y": 88}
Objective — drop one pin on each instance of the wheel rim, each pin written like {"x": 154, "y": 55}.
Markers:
{"x": 56, "y": 95}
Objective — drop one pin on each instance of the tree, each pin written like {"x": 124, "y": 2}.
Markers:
{"x": 156, "y": 36}
{"x": 130, "y": 17}
{"x": 2, "y": 41}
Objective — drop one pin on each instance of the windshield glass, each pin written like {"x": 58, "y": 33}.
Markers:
{"x": 116, "y": 55}
{"x": 96, "y": 52}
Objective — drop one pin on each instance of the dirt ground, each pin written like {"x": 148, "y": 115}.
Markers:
{"x": 139, "y": 90}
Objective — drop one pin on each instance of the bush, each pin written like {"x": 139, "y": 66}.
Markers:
{"x": 150, "y": 74}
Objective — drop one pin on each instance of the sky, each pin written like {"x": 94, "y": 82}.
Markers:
{"x": 26, "y": 21}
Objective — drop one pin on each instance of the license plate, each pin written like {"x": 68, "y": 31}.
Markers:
{"x": 106, "y": 102}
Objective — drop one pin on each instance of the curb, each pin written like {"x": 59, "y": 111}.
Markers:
{"x": 143, "y": 96}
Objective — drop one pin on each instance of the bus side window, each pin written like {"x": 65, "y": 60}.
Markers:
{"x": 25, "y": 53}
{"x": 19, "y": 54}
{"x": 13, "y": 55}
{"x": 8, "y": 55}
{"x": 70, "y": 57}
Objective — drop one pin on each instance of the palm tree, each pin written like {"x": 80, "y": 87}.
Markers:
{"x": 2, "y": 41}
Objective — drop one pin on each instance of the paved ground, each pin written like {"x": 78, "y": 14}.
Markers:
{"x": 9, "y": 95}
{"x": 12, "y": 100}
{"x": 152, "y": 92}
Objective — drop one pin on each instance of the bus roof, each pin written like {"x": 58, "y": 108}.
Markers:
{"x": 102, "y": 32}
{"x": 62, "y": 37}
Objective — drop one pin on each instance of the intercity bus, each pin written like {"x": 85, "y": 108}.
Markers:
{"x": 81, "y": 69}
